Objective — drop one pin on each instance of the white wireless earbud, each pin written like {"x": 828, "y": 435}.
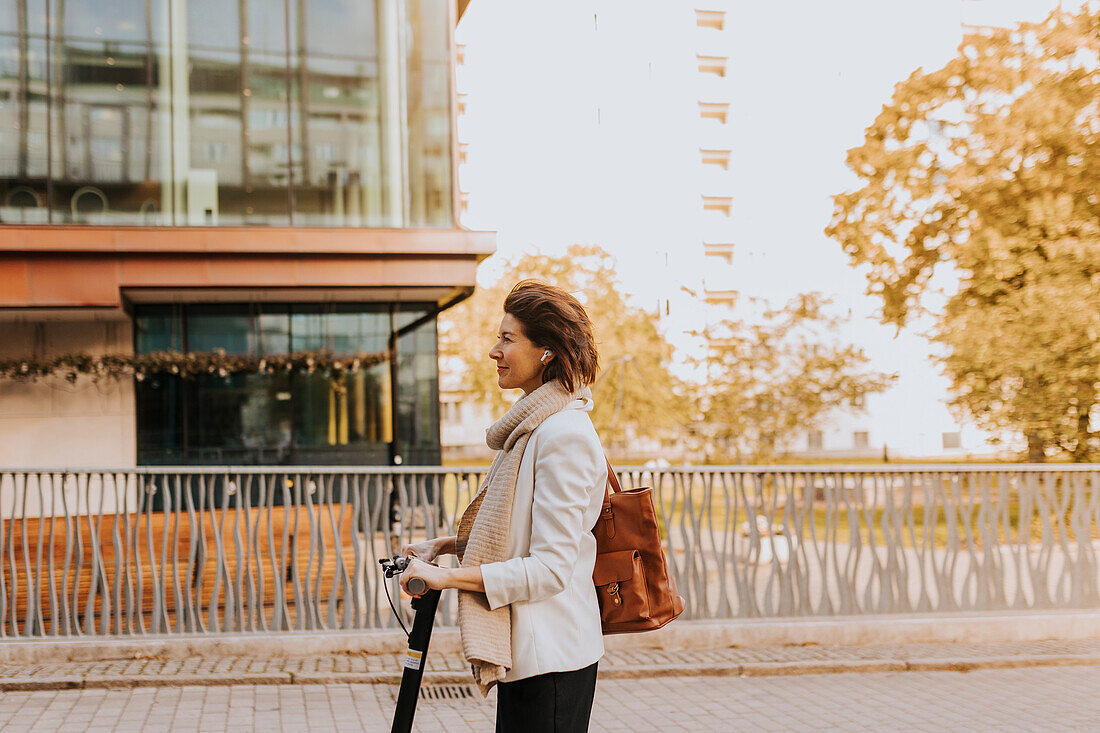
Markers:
{"x": 545, "y": 356}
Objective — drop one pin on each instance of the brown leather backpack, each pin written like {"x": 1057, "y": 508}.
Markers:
{"x": 633, "y": 584}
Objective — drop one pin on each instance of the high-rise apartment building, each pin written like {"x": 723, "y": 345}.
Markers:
{"x": 259, "y": 178}
{"x": 700, "y": 145}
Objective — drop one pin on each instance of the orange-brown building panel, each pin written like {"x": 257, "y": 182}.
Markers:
{"x": 82, "y": 267}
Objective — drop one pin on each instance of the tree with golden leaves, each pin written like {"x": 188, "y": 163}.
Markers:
{"x": 769, "y": 381}
{"x": 990, "y": 168}
{"x": 635, "y": 395}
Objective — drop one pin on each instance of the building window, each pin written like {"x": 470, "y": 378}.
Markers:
{"x": 463, "y": 152}
{"x": 952, "y": 441}
{"x": 719, "y": 250}
{"x": 347, "y": 157}
{"x": 721, "y": 204}
{"x": 450, "y": 411}
{"x": 715, "y": 19}
{"x": 460, "y": 53}
{"x": 288, "y": 418}
{"x": 815, "y": 440}
{"x": 462, "y": 103}
{"x": 216, "y": 152}
{"x": 712, "y": 64}
{"x": 720, "y": 297}
{"x": 861, "y": 439}
{"x": 720, "y": 158}
{"x": 326, "y": 152}
{"x": 714, "y": 111}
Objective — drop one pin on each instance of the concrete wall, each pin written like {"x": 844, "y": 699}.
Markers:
{"x": 51, "y": 423}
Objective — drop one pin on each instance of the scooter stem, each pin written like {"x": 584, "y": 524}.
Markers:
{"x": 419, "y": 637}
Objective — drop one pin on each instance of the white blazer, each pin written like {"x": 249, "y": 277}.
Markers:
{"x": 548, "y": 580}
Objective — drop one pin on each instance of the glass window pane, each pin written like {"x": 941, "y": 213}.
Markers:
{"x": 108, "y": 113}
{"x": 212, "y": 327}
{"x": 338, "y": 176}
{"x": 341, "y": 118}
{"x": 13, "y": 17}
{"x": 240, "y": 419}
{"x": 417, "y": 419}
{"x": 160, "y": 420}
{"x": 216, "y": 137}
{"x": 368, "y": 401}
{"x": 211, "y": 419}
{"x": 404, "y": 314}
{"x": 23, "y": 144}
{"x": 307, "y": 328}
{"x": 237, "y": 134}
{"x": 358, "y": 332}
{"x": 214, "y": 24}
{"x": 428, "y": 104}
{"x": 287, "y": 418}
{"x": 273, "y": 330}
{"x": 9, "y": 18}
{"x": 157, "y": 328}
{"x": 317, "y": 411}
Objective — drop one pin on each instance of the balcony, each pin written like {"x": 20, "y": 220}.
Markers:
{"x": 715, "y": 157}
{"x": 718, "y": 250}
{"x": 714, "y": 111}
{"x": 712, "y": 64}
{"x": 720, "y": 204}
{"x": 727, "y": 298}
{"x": 713, "y": 19}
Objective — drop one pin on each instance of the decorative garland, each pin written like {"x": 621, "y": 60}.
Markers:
{"x": 191, "y": 364}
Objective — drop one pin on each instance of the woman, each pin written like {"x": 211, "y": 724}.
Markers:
{"x": 527, "y": 607}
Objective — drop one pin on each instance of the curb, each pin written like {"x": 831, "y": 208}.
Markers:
{"x": 966, "y": 665}
{"x": 937, "y": 628}
{"x": 752, "y": 669}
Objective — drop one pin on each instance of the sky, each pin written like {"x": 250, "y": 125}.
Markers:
{"x": 578, "y": 126}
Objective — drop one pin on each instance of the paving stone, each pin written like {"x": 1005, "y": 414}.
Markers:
{"x": 1050, "y": 685}
{"x": 451, "y": 668}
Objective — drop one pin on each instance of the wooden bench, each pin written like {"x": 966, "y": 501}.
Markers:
{"x": 181, "y": 557}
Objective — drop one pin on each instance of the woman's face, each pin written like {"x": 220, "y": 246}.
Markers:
{"x": 517, "y": 358}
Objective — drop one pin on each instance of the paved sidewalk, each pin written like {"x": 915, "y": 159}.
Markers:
{"x": 1035, "y": 698}
{"x": 450, "y": 668}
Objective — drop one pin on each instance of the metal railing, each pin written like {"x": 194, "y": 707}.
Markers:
{"x": 185, "y": 550}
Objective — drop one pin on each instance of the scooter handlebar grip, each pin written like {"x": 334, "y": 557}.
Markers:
{"x": 416, "y": 586}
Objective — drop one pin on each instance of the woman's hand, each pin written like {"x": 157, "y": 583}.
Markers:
{"x": 429, "y": 550}
{"x": 439, "y": 578}
{"x": 434, "y": 576}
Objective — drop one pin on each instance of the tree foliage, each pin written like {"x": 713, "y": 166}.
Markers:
{"x": 991, "y": 166}
{"x": 767, "y": 382}
{"x": 635, "y": 394}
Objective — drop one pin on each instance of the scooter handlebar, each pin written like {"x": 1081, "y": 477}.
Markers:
{"x": 396, "y": 565}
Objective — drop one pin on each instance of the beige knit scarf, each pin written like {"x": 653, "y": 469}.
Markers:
{"x": 483, "y": 531}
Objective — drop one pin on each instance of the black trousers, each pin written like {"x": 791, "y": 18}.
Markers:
{"x": 558, "y": 702}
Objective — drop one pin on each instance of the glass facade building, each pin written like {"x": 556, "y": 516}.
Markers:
{"x": 289, "y": 418}
{"x": 259, "y": 177}
{"x": 213, "y": 113}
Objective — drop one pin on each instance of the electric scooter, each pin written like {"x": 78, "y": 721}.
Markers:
{"x": 424, "y": 602}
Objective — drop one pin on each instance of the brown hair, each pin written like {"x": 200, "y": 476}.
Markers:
{"x": 554, "y": 319}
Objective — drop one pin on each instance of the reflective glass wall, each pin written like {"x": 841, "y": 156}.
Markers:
{"x": 215, "y": 112}
{"x": 289, "y": 418}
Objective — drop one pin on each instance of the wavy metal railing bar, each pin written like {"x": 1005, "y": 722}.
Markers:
{"x": 173, "y": 550}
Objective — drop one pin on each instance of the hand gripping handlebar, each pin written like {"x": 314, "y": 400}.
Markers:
{"x": 392, "y": 566}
